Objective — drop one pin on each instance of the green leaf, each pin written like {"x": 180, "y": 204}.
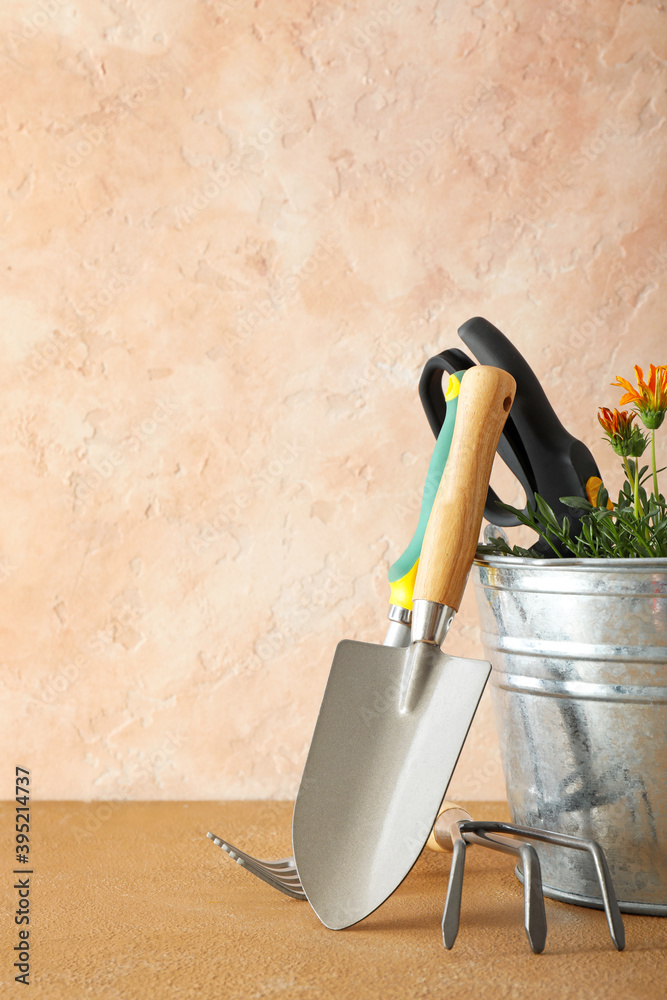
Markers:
{"x": 580, "y": 503}
{"x": 546, "y": 512}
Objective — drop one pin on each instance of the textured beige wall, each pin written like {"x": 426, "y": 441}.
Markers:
{"x": 232, "y": 233}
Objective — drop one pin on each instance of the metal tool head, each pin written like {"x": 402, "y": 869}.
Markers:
{"x": 375, "y": 774}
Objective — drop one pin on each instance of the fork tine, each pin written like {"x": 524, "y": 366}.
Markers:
{"x": 609, "y": 900}
{"x": 285, "y": 879}
{"x": 274, "y": 882}
{"x": 288, "y": 875}
{"x": 256, "y": 867}
{"x": 535, "y": 918}
{"x": 281, "y": 865}
{"x": 290, "y": 885}
{"x": 295, "y": 891}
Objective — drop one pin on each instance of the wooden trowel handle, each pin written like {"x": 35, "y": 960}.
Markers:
{"x": 453, "y": 529}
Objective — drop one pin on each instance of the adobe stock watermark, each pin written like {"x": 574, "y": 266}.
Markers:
{"x": 469, "y": 785}
{"x": 385, "y": 355}
{"x": 373, "y": 27}
{"x": 271, "y": 815}
{"x": 56, "y": 346}
{"x": 114, "y": 285}
{"x": 263, "y": 309}
{"x": 559, "y": 15}
{"x": 229, "y": 512}
{"x": 585, "y": 155}
{"x": 91, "y": 136}
{"x": 388, "y": 353}
{"x": 624, "y": 294}
{"x": 384, "y": 700}
{"x": 46, "y": 352}
{"x": 290, "y": 629}
{"x": 425, "y": 148}
{"x": 103, "y": 469}
{"x": 33, "y": 23}
{"x": 141, "y": 771}
{"x": 222, "y": 176}
{"x": 122, "y": 622}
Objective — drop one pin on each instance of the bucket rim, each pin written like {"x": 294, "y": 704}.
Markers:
{"x": 637, "y": 564}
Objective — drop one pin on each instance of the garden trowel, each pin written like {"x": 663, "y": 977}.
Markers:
{"x": 393, "y": 720}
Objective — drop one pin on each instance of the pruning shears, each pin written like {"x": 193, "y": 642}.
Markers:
{"x": 544, "y": 457}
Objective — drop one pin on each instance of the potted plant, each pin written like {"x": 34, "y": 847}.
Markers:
{"x": 578, "y": 644}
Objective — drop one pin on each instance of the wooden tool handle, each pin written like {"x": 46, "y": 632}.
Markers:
{"x": 453, "y": 529}
{"x": 439, "y": 839}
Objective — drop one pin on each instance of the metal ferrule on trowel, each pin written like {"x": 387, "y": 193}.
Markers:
{"x": 430, "y": 623}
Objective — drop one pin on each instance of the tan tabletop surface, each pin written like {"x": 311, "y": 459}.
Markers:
{"x": 130, "y": 900}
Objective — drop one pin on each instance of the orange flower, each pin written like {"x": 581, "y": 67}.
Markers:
{"x": 650, "y": 398}
{"x": 615, "y": 423}
{"x": 625, "y": 439}
{"x": 593, "y": 487}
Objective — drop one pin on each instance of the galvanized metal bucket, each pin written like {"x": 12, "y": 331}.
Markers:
{"x": 579, "y": 685}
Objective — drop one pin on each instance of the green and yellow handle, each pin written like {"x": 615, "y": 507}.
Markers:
{"x": 403, "y": 572}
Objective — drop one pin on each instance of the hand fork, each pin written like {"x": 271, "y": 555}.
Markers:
{"x": 454, "y": 828}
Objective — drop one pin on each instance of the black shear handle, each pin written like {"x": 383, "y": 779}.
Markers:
{"x": 558, "y": 463}
{"x": 544, "y": 457}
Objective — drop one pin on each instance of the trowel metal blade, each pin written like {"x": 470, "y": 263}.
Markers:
{"x": 375, "y": 775}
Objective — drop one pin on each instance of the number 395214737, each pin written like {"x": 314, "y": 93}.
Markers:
{"x": 22, "y": 815}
